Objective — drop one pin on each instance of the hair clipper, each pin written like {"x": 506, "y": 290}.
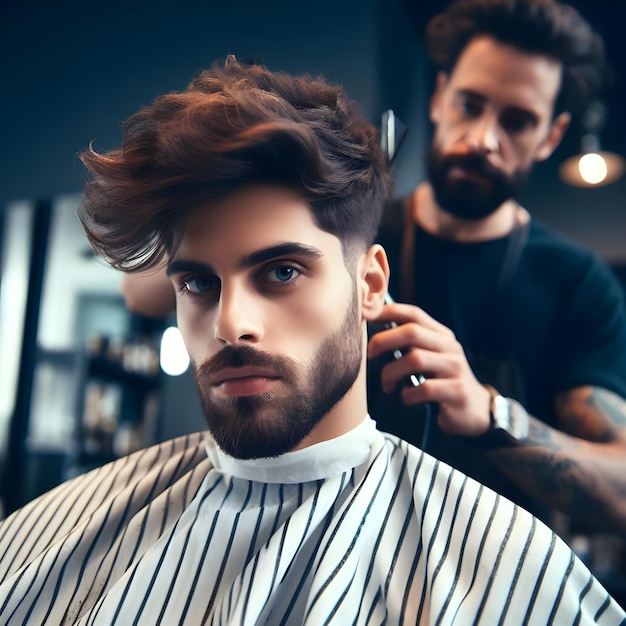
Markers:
{"x": 414, "y": 380}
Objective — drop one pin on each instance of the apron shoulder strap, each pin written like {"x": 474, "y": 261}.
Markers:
{"x": 408, "y": 250}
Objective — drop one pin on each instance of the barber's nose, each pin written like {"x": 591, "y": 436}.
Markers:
{"x": 238, "y": 317}
{"x": 483, "y": 135}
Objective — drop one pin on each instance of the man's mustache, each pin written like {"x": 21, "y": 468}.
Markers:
{"x": 245, "y": 356}
{"x": 473, "y": 162}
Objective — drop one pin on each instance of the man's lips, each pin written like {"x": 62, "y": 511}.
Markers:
{"x": 243, "y": 381}
{"x": 468, "y": 173}
{"x": 235, "y": 373}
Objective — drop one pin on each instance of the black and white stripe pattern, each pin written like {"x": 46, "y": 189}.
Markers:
{"x": 165, "y": 537}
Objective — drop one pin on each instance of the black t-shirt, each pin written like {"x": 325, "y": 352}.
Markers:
{"x": 558, "y": 323}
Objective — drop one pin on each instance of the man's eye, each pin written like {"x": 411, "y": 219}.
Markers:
{"x": 282, "y": 273}
{"x": 471, "y": 108}
{"x": 515, "y": 124}
{"x": 200, "y": 284}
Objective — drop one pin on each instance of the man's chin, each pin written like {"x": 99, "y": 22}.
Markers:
{"x": 467, "y": 206}
{"x": 469, "y": 213}
{"x": 249, "y": 427}
{"x": 254, "y": 443}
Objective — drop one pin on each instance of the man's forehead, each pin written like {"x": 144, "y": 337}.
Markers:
{"x": 253, "y": 220}
{"x": 250, "y": 204}
{"x": 500, "y": 71}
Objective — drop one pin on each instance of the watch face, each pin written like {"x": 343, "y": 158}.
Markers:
{"x": 511, "y": 417}
{"x": 501, "y": 413}
{"x": 518, "y": 420}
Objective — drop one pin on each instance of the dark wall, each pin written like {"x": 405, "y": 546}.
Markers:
{"x": 71, "y": 71}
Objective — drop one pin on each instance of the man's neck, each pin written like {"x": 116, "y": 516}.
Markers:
{"x": 434, "y": 220}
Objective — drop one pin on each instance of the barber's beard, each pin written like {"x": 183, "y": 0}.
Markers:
{"x": 272, "y": 423}
{"x": 469, "y": 199}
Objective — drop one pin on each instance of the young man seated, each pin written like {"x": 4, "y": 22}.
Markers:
{"x": 263, "y": 193}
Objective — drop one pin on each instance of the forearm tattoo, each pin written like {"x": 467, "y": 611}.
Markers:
{"x": 591, "y": 413}
{"x": 551, "y": 463}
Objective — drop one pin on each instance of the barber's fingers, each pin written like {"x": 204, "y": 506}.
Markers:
{"x": 454, "y": 392}
{"x": 414, "y": 335}
{"x": 404, "y": 313}
{"x": 463, "y": 404}
{"x": 431, "y": 349}
{"x": 431, "y": 364}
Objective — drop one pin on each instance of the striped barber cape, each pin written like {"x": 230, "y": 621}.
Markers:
{"x": 363, "y": 529}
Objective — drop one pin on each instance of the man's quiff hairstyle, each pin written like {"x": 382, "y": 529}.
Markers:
{"x": 234, "y": 125}
{"x": 545, "y": 27}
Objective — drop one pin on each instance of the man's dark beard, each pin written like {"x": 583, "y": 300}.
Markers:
{"x": 270, "y": 424}
{"x": 468, "y": 199}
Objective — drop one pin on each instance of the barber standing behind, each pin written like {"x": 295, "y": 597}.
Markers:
{"x": 520, "y": 311}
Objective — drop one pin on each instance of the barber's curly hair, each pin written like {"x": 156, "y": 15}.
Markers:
{"x": 544, "y": 27}
{"x": 234, "y": 125}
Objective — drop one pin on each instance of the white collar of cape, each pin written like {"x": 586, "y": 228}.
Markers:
{"x": 317, "y": 462}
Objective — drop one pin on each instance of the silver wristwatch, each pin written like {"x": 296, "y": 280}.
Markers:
{"x": 509, "y": 418}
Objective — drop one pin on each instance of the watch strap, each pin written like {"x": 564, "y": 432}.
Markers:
{"x": 508, "y": 422}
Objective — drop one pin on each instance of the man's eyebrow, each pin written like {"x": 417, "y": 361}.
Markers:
{"x": 181, "y": 265}
{"x": 469, "y": 93}
{"x": 282, "y": 249}
{"x": 257, "y": 257}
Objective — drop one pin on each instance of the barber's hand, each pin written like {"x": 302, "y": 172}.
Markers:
{"x": 433, "y": 351}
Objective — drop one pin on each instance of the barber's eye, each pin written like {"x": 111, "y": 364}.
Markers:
{"x": 515, "y": 123}
{"x": 200, "y": 284}
{"x": 471, "y": 108}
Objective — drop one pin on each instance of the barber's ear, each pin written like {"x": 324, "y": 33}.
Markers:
{"x": 374, "y": 279}
{"x": 552, "y": 141}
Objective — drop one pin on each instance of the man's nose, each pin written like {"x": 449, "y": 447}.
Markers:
{"x": 238, "y": 317}
{"x": 483, "y": 135}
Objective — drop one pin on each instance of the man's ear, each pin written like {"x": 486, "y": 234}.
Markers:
{"x": 436, "y": 98}
{"x": 557, "y": 130}
{"x": 374, "y": 279}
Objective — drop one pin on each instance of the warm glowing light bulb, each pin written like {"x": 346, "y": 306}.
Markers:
{"x": 592, "y": 168}
{"x": 174, "y": 358}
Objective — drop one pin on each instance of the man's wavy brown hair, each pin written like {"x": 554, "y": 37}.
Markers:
{"x": 234, "y": 125}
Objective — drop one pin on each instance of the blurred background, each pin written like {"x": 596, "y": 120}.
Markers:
{"x": 80, "y": 378}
